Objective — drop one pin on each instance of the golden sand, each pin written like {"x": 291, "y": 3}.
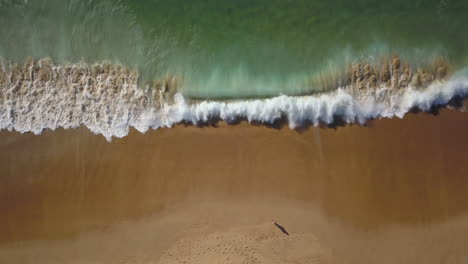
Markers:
{"x": 394, "y": 191}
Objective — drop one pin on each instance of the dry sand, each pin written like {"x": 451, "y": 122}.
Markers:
{"x": 392, "y": 192}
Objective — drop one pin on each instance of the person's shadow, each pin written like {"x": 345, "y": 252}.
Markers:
{"x": 281, "y": 228}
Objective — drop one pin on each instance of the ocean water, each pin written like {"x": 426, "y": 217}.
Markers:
{"x": 295, "y": 56}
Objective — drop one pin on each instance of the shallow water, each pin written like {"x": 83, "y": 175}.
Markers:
{"x": 397, "y": 185}
{"x": 234, "y": 48}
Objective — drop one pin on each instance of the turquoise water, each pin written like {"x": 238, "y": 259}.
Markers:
{"x": 234, "y": 48}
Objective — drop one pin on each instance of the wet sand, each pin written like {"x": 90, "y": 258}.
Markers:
{"x": 394, "y": 191}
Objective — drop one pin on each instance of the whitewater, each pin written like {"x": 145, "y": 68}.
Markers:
{"x": 108, "y": 101}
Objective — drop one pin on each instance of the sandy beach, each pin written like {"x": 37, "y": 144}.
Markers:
{"x": 393, "y": 191}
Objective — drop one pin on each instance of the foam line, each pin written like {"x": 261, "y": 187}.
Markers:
{"x": 108, "y": 101}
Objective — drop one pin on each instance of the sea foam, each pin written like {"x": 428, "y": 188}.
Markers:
{"x": 316, "y": 109}
{"x": 107, "y": 99}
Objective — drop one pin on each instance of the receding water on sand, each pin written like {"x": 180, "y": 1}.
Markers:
{"x": 392, "y": 192}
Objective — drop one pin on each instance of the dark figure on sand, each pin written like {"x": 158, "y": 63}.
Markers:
{"x": 280, "y": 228}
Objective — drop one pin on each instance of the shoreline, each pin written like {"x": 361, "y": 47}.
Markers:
{"x": 396, "y": 187}
{"x": 76, "y": 174}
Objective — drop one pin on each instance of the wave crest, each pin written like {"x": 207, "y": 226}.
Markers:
{"x": 324, "y": 108}
{"x": 106, "y": 99}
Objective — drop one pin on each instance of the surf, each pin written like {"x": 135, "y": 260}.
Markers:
{"x": 108, "y": 98}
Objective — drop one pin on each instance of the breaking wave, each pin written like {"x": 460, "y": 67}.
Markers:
{"x": 325, "y": 108}
{"x": 106, "y": 99}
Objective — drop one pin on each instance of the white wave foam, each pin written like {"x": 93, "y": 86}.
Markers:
{"x": 112, "y": 113}
{"x": 385, "y": 103}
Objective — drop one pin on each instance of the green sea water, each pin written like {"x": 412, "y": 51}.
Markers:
{"x": 234, "y": 48}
